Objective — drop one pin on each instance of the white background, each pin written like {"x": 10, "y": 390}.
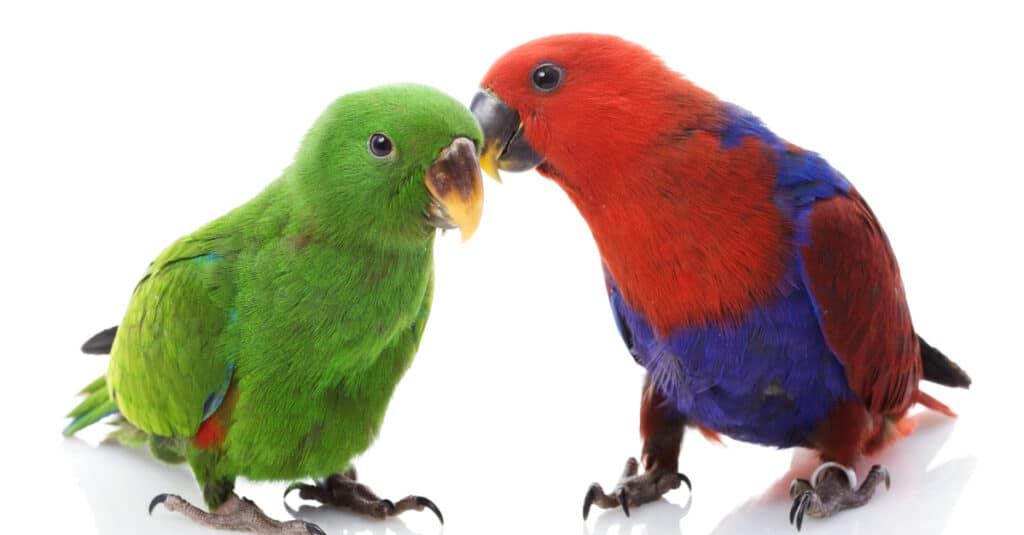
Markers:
{"x": 123, "y": 127}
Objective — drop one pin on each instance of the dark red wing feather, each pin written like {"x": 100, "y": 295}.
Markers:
{"x": 852, "y": 275}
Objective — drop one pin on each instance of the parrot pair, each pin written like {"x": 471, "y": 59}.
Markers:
{"x": 746, "y": 275}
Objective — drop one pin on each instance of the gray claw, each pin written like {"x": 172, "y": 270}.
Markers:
{"x": 624, "y": 501}
{"x": 684, "y": 479}
{"x": 160, "y": 498}
{"x": 796, "y": 514}
{"x": 294, "y": 486}
{"x": 314, "y": 529}
{"x": 792, "y": 510}
{"x": 588, "y": 500}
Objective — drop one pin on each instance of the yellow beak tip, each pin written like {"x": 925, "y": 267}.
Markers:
{"x": 489, "y": 164}
{"x": 493, "y": 173}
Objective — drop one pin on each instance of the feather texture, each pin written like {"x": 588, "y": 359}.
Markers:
{"x": 745, "y": 273}
{"x": 268, "y": 342}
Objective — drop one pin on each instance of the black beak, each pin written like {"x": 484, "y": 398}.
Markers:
{"x": 505, "y": 145}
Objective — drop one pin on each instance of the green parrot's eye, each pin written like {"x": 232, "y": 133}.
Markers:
{"x": 547, "y": 77}
{"x": 380, "y": 145}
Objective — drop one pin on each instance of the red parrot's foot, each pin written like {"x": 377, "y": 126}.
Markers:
{"x": 343, "y": 490}
{"x": 236, "y": 514}
{"x": 831, "y": 489}
{"x": 634, "y": 489}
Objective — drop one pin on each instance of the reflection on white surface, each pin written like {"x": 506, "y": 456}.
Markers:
{"x": 660, "y": 517}
{"x": 119, "y": 498}
{"x": 919, "y": 491}
{"x": 335, "y": 521}
{"x": 118, "y": 483}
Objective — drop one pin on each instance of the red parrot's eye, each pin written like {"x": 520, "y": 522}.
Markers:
{"x": 380, "y": 145}
{"x": 547, "y": 77}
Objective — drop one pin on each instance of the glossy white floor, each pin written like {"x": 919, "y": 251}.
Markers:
{"x": 938, "y": 486}
{"x": 124, "y": 127}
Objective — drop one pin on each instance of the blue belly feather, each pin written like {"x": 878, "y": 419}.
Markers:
{"x": 769, "y": 379}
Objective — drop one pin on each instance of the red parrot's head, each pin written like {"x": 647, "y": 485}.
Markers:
{"x": 581, "y": 102}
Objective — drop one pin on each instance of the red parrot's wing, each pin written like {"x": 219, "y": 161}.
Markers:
{"x": 853, "y": 278}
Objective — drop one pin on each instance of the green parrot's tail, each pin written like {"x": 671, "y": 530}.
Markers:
{"x": 97, "y": 403}
{"x": 95, "y": 406}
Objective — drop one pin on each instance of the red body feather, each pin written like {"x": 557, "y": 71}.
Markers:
{"x": 654, "y": 210}
{"x": 214, "y": 430}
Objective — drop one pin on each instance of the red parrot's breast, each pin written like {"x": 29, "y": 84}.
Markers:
{"x": 690, "y": 233}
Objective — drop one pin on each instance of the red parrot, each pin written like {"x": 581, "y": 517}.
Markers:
{"x": 746, "y": 275}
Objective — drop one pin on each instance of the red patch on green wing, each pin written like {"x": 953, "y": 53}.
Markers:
{"x": 214, "y": 430}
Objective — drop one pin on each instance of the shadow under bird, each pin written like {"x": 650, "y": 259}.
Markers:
{"x": 267, "y": 343}
{"x": 746, "y": 275}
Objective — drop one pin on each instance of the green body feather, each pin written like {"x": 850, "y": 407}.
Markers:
{"x": 309, "y": 300}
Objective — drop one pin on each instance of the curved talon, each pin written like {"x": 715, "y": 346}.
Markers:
{"x": 796, "y": 514}
{"x": 588, "y": 500}
{"x": 624, "y": 501}
{"x": 294, "y": 486}
{"x": 803, "y": 508}
{"x": 160, "y": 498}
{"x": 679, "y": 475}
{"x": 315, "y": 529}
{"x": 684, "y": 479}
{"x": 388, "y": 505}
{"x": 424, "y": 502}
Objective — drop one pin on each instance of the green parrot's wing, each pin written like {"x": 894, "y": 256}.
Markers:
{"x": 172, "y": 358}
{"x": 420, "y": 323}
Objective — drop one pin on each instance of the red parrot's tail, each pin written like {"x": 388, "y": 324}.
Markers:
{"x": 934, "y": 404}
{"x": 939, "y": 369}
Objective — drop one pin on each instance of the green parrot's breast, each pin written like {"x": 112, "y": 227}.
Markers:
{"x": 314, "y": 335}
{"x": 319, "y": 357}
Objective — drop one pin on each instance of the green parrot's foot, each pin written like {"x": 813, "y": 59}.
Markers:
{"x": 832, "y": 488}
{"x": 634, "y": 489}
{"x": 236, "y": 514}
{"x": 342, "y": 490}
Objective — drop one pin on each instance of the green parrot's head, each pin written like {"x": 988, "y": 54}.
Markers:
{"x": 394, "y": 162}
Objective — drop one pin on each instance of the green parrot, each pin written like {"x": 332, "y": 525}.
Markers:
{"x": 267, "y": 343}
